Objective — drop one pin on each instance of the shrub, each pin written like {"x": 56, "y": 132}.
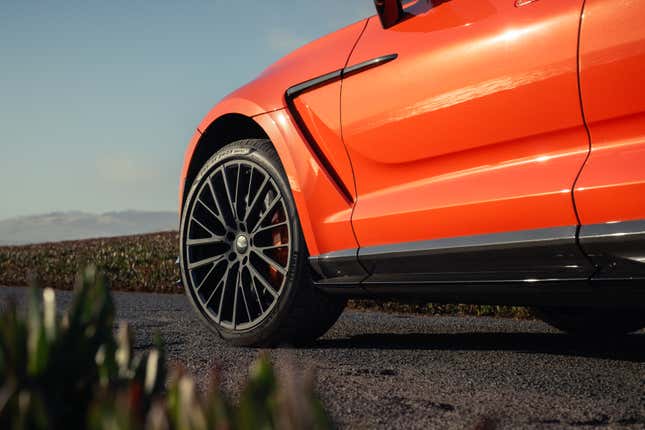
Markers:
{"x": 72, "y": 372}
{"x": 130, "y": 263}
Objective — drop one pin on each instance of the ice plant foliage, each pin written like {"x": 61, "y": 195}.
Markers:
{"x": 72, "y": 371}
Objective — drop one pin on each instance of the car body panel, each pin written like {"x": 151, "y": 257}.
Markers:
{"x": 478, "y": 150}
{"x": 264, "y": 100}
{"x": 611, "y": 188}
{"x": 266, "y": 92}
{"x": 325, "y": 220}
{"x": 321, "y": 115}
{"x": 475, "y": 128}
{"x": 324, "y": 213}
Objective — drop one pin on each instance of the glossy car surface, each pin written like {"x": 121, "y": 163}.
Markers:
{"x": 478, "y": 150}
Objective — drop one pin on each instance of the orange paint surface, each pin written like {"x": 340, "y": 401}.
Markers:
{"x": 324, "y": 213}
{"x": 612, "y": 71}
{"x": 476, "y": 127}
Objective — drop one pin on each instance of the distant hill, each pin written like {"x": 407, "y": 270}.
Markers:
{"x": 59, "y": 226}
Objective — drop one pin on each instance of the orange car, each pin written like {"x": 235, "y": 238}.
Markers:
{"x": 456, "y": 151}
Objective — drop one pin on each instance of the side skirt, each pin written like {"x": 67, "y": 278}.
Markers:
{"x": 617, "y": 249}
{"x": 531, "y": 267}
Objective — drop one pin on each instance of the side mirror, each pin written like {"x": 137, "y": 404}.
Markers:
{"x": 390, "y": 12}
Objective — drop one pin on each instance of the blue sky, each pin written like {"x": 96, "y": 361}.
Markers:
{"x": 98, "y": 99}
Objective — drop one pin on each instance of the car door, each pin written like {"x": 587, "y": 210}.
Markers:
{"x": 467, "y": 125}
{"x": 610, "y": 194}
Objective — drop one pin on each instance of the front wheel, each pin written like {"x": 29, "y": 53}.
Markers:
{"x": 593, "y": 321}
{"x": 243, "y": 258}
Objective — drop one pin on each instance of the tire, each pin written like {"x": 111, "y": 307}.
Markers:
{"x": 243, "y": 258}
{"x": 596, "y": 322}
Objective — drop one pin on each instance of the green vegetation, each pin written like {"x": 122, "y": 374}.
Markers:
{"x": 147, "y": 263}
{"x": 130, "y": 263}
{"x": 72, "y": 372}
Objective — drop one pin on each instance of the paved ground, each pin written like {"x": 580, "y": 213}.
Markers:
{"x": 399, "y": 371}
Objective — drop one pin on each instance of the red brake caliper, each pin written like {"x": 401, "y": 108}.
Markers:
{"x": 280, "y": 254}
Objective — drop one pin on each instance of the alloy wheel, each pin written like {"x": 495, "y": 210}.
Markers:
{"x": 237, "y": 245}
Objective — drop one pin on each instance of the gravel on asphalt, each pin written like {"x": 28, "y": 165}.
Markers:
{"x": 377, "y": 370}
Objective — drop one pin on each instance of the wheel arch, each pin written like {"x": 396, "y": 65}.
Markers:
{"x": 323, "y": 211}
{"x": 215, "y": 132}
{"x": 223, "y": 130}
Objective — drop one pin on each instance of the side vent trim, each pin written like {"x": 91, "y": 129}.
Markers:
{"x": 317, "y": 82}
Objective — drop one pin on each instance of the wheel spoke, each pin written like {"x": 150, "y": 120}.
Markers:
{"x": 231, "y": 203}
{"x": 217, "y": 217}
{"x": 263, "y": 281}
{"x": 221, "y": 300}
{"x": 203, "y": 226}
{"x": 237, "y": 288}
{"x": 248, "y": 193}
{"x": 246, "y": 304}
{"x": 237, "y": 192}
{"x": 269, "y": 247}
{"x": 271, "y": 262}
{"x": 206, "y": 241}
{"x": 204, "y": 262}
{"x": 218, "y": 203}
{"x": 256, "y": 199}
{"x": 201, "y": 284}
{"x": 255, "y": 289}
{"x": 270, "y": 227}
{"x": 219, "y": 284}
{"x": 267, "y": 212}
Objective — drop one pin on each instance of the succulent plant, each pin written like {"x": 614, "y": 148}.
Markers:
{"x": 71, "y": 371}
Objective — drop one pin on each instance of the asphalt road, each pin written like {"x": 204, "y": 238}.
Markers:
{"x": 379, "y": 370}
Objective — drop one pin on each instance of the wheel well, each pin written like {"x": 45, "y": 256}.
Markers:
{"x": 224, "y": 130}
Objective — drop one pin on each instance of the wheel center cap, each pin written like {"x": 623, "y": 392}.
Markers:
{"x": 242, "y": 244}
